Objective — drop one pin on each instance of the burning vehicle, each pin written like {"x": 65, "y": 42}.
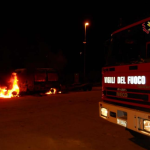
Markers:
{"x": 12, "y": 90}
{"x": 39, "y": 80}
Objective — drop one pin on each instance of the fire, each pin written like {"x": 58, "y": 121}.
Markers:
{"x": 14, "y": 92}
{"x": 52, "y": 91}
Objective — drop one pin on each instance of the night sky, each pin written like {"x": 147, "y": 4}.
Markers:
{"x": 59, "y": 28}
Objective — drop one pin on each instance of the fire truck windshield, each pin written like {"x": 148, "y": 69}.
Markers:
{"x": 129, "y": 45}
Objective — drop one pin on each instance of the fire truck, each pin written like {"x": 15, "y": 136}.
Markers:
{"x": 126, "y": 78}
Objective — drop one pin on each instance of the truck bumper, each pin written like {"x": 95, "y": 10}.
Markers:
{"x": 132, "y": 119}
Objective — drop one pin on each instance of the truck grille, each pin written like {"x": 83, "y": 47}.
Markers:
{"x": 133, "y": 97}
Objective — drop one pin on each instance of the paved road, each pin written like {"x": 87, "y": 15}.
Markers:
{"x": 60, "y": 122}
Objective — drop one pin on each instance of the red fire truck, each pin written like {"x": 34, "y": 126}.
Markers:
{"x": 126, "y": 78}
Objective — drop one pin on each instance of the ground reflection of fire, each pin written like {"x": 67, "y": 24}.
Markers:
{"x": 14, "y": 91}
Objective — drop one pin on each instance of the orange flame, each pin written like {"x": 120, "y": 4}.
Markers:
{"x": 52, "y": 91}
{"x": 14, "y": 92}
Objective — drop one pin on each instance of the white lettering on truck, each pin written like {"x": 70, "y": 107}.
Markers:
{"x": 121, "y": 80}
{"x": 130, "y": 80}
{"x": 109, "y": 80}
{"x": 136, "y": 80}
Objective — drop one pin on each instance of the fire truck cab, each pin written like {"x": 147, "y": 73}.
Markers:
{"x": 126, "y": 78}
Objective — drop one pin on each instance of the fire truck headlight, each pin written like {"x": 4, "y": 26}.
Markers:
{"x": 104, "y": 112}
{"x": 146, "y": 124}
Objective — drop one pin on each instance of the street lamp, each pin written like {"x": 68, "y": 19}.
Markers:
{"x": 86, "y": 24}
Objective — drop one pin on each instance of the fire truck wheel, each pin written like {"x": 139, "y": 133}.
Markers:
{"x": 138, "y": 135}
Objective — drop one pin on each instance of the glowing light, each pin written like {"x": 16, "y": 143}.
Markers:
{"x": 86, "y": 23}
{"x": 104, "y": 112}
{"x": 148, "y": 23}
{"x": 147, "y": 125}
{"x": 122, "y": 122}
{"x": 52, "y": 91}
{"x": 14, "y": 92}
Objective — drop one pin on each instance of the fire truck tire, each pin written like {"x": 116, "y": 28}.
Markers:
{"x": 138, "y": 135}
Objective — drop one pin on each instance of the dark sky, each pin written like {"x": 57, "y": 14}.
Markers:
{"x": 61, "y": 27}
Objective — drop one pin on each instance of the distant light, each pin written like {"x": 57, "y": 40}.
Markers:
{"x": 86, "y": 23}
